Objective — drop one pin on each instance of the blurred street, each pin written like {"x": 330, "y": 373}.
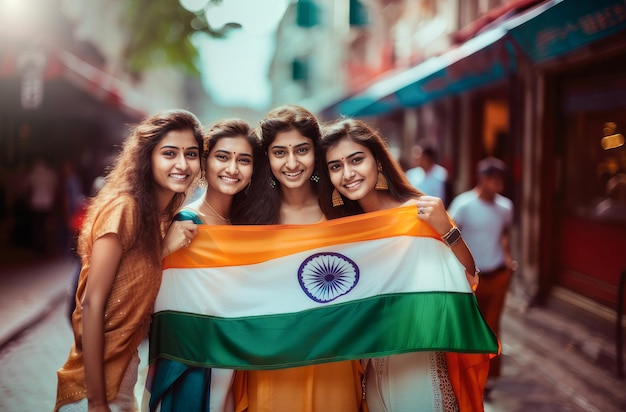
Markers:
{"x": 544, "y": 366}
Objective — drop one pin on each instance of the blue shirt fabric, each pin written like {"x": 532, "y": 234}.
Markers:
{"x": 187, "y": 214}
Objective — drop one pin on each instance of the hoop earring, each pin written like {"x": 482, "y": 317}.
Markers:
{"x": 202, "y": 183}
{"x": 336, "y": 198}
{"x": 381, "y": 180}
{"x": 315, "y": 177}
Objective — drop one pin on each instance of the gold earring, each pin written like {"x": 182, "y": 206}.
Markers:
{"x": 381, "y": 180}
{"x": 202, "y": 183}
{"x": 337, "y": 200}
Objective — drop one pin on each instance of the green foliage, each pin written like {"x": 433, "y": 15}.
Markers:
{"x": 160, "y": 34}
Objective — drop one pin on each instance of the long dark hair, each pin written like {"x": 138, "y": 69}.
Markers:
{"x": 131, "y": 175}
{"x": 359, "y": 132}
{"x": 263, "y": 204}
{"x": 234, "y": 128}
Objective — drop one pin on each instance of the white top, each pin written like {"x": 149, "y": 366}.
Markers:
{"x": 432, "y": 183}
{"x": 416, "y": 381}
{"x": 482, "y": 224}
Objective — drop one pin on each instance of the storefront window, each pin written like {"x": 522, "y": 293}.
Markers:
{"x": 594, "y": 172}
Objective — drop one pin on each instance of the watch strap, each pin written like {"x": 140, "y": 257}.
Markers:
{"x": 452, "y": 237}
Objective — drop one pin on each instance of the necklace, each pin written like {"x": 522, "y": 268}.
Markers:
{"x": 225, "y": 219}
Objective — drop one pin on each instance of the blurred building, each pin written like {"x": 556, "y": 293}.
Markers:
{"x": 66, "y": 95}
{"x": 537, "y": 83}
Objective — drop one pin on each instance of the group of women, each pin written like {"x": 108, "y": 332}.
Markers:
{"x": 289, "y": 170}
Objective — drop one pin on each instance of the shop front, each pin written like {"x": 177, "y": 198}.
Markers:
{"x": 578, "y": 54}
{"x": 589, "y": 199}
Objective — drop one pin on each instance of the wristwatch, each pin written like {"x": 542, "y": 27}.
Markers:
{"x": 452, "y": 237}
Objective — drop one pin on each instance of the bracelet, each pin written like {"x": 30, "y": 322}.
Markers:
{"x": 452, "y": 237}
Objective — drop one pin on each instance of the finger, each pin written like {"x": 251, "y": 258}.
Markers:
{"x": 189, "y": 224}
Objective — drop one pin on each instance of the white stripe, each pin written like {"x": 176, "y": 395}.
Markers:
{"x": 391, "y": 265}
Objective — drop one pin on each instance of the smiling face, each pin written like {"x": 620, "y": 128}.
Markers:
{"x": 292, "y": 159}
{"x": 352, "y": 168}
{"x": 229, "y": 165}
{"x": 175, "y": 163}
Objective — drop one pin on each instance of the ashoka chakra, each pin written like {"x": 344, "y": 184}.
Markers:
{"x": 326, "y": 276}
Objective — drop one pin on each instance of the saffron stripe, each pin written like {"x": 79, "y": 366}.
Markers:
{"x": 245, "y": 245}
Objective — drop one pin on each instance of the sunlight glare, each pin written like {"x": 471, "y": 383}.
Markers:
{"x": 256, "y": 17}
{"x": 194, "y": 6}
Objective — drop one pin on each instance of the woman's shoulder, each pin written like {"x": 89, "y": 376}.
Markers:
{"x": 122, "y": 203}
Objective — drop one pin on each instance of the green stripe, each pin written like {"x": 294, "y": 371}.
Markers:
{"x": 378, "y": 326}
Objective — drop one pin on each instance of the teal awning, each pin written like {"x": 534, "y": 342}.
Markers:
{"x": 560, "y": 27}
{"x": 484, "y": 59}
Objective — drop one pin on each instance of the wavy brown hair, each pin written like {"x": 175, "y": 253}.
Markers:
{"x": 131, "y": 175}
{"x": 361, "y": 133}
{"x": 263, "y": 204}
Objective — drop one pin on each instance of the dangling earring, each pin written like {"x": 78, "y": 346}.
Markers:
{"x": 202, "y": 183}
{"x": 337, "y": 200}
{"x": 247, "y": 187}
{"x": 381, "y": 180}
{"x": 272, "y": 183}
{"x": 315, "y": 177}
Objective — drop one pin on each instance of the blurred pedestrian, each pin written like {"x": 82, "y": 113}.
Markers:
{"x": 42, "y": 184}
{"x": 19, "y": 209}
{"x": 73, "y": 201}
{"x": 428, "y": 176}
{"x": 121, "y": 247}
{"x": 485, "y": 218}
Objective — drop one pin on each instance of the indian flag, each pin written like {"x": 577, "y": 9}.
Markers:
{"x": 269, "y": 297}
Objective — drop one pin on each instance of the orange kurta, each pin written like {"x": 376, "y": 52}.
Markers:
{"x": 128, "y": 309}
{"x": 328, "y": 387}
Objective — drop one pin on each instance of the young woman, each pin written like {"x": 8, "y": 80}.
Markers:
{"x": 121, "y": 248}
{"x": 230, "y": 149}
{"x": 284, "y": 191}
{"x": 358, "y": 174}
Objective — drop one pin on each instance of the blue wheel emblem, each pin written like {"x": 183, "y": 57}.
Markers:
{"x": 326, "y": 276}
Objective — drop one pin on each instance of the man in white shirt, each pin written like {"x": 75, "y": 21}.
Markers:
{"x": 428, "y": 176}
{"x": 484, "y": 217}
